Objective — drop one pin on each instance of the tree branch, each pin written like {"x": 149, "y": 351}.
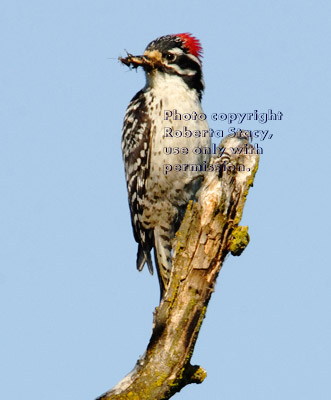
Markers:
{"x": 207, "y": 234}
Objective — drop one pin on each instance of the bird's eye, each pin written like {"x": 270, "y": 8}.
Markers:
{"x": 171, "y": 57}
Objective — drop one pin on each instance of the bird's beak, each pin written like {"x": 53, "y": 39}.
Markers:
{"x": 149, "y": 61}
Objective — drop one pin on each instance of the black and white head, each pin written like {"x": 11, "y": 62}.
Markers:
{"x": 172, "y": 55}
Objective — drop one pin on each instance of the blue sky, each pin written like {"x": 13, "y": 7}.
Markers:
{"x": 75, "y": 313}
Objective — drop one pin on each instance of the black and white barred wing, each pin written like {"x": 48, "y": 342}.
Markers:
{"x": 136, "y": 155}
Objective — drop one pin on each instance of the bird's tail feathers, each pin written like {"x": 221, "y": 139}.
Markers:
{"x": 162, "y": 254}
{"x": 143, "y": 257}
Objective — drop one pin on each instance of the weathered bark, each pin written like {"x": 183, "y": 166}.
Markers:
{"x": 207, "y": 234}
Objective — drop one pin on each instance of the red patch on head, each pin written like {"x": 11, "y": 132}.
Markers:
{"x": 191, "y": 43}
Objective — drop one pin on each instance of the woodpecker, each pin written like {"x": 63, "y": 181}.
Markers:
{"x": 158, "y": 196}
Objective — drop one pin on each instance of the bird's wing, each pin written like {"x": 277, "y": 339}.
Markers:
{"x": 136, "y": 154}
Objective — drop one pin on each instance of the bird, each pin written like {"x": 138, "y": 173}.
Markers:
{"x": 165, "y": 142}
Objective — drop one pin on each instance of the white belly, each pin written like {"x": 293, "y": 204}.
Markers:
{"x": 178, "y": 144}
{"x": 176, "y": 174}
